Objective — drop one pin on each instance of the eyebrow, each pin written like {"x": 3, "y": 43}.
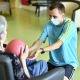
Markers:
{"x": 53, "y": 16}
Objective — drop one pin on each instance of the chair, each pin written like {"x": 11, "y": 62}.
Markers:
{"x": 6, "y": 71}
{"x": 72, "y": 14}
{"x": 5, "y": 5}
{"x": 72, "y": 10}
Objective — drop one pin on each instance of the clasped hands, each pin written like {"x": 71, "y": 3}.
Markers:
{"x": 25, "y": 55}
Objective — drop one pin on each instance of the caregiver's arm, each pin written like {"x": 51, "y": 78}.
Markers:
{"x": 51, "y": 47}
{"x": 36, "y": 45}
{"x": 23, "y": 57}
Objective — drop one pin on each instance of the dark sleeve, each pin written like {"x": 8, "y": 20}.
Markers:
{"x": 16, "y": 64}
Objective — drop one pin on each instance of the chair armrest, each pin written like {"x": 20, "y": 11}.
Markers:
{"x": 6, "y": 71}
{"x": 54, "y": 74}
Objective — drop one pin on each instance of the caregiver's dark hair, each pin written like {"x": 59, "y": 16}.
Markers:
{"x": 59, "y": 6}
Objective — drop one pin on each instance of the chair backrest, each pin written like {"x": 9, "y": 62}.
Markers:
{"x": 72, "y": 10}
{"x": 3, "y": 0}
{"x": 69, "y": 7}
{"x": 6, "y": 71}
{"x": 77, "y": 18}
{"x": 5, "y": 5}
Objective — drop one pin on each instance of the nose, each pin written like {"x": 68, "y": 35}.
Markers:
{"x": 52, "y": 17}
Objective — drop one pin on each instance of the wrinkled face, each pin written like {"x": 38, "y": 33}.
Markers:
{"x": 55, "y": 14}
{"x": 5, "y": 34}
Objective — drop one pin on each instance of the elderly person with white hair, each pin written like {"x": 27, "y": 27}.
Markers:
{"x": 26, "y": 68}
{"x": 3, "y": 27}
{"x": 17, "y": 68}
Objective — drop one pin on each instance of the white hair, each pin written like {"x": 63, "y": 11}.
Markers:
{"x": 3, "y": 25}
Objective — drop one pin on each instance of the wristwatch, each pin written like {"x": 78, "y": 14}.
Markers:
{"x": 42, "y": 50}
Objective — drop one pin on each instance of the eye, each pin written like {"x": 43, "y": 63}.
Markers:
{"x": 55, "y": 16}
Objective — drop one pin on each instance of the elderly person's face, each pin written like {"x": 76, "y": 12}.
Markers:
{"x": 3, "y": 28}
{"x": 5, "y": 35}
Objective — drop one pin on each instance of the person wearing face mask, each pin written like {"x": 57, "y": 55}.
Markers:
{"x": 62, "y": 36}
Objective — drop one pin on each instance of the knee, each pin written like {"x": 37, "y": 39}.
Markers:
{"x": 43, "y": 62}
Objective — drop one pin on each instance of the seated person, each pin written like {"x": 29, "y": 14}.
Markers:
{"x": 26, "y": 68}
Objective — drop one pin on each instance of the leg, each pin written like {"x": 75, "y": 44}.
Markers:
{"x": 10, "y": 12}
{"x": 38, "y": 68}
{"x": 65, "y": 78}
{"x": 30, "y": 62}
{"x": 50, "y": 66}
{"x": 69, "y": 70}
{"x": 36, "y": 10}
{"x": 78, "y": 29}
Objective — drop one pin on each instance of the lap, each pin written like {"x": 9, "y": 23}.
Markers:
{"x": 38, "y": 68}
{"x": 30, "y": 62}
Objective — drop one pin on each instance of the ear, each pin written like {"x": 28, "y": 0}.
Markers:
{"x": 63, "y": 14}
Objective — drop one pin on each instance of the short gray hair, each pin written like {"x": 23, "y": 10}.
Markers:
{"x": 3, "y": 24}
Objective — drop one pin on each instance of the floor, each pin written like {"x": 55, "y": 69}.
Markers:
{"x": 26, "y": 26}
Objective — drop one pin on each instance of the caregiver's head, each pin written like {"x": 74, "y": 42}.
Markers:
{"x": 57, "y": 12}
{"x": 3, "y": 32}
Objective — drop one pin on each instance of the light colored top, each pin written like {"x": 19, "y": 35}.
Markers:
{"x": 67, "y": 33}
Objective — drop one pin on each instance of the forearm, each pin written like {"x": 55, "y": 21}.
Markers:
{"x": 53, "y": 46}
{"x": 36, "y": 45}
{"x": 23, "y": 62}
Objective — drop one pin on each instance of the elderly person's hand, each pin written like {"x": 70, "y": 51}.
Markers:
{"x": 24, "y": 54}
{"x": 23, "y": 57}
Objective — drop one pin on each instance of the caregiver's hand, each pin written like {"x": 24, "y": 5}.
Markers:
{"x": 34, "y": 55}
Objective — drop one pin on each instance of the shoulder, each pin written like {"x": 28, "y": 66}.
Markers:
{"x": 69, "y": 22}
{"x": 11, "y": 55}
{"x": 69, "y": 27}
{"x": 48, "y": 23}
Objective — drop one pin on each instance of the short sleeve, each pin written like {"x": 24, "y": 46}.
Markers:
{"x": 67, "y": 32}
{"x": 44, "y": 34}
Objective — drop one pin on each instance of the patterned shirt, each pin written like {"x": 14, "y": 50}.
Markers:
{"x": 16, "y": 64}
{"x": 34, "y": 68}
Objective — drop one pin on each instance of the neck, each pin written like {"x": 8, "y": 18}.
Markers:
{"x": 1, "y": 46}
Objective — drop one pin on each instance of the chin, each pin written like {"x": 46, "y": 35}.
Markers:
{"x": 5, "y": 40}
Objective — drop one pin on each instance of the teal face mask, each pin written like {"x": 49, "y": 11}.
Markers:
{"x": 55, "y": 21}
